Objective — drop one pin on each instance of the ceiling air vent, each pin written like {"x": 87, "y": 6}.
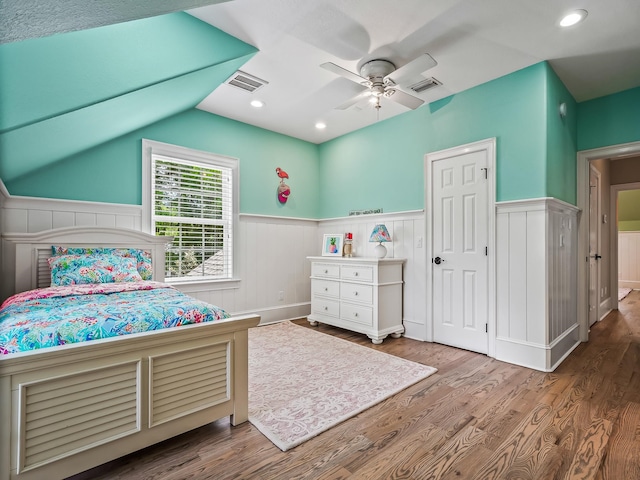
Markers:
{"x": 424, "y": 85}
{"x": 245, "y": 82}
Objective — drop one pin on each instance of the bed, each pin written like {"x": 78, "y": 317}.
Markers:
{"x": 69, "y": 408}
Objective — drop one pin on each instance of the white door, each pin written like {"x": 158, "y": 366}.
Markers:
{"x": 460, "y": 214}
{"x": 594, "y": 243}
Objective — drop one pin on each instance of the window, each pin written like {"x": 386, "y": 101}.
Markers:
{"x": 191, "y": 196}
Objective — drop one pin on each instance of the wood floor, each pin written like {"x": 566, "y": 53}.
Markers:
{"x": 477, "y": 418}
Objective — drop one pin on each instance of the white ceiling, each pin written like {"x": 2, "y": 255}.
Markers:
{"x": 472, "y": 41}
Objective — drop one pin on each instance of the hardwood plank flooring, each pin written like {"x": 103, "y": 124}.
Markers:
{"x": 477, "y": 418}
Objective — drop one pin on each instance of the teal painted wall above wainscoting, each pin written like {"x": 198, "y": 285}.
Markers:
{"x": 610, "y": 120}
{"x": 382, "y": 165}
{"x": 561, "y": 140}
{"x": 112, "y": 172}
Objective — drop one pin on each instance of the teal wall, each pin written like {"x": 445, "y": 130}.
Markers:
{"x": 63, "y": 94}
{"x": 609, "y": 120}
{"x": 629, "y": 210}
{"x": 112, "y": 172}
{"x": 561, "y": 140}
{"x": 382, "y": 166}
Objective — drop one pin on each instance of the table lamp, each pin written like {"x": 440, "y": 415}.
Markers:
{"x": 380, "y": 234}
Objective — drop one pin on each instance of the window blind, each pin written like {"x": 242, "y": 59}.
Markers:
{"x": 192, "y": 202}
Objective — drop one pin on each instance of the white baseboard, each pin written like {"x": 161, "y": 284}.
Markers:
{"x": 544, "y": 358}
{"x": 605, "y": 308}
{"x": 415, "y": 330}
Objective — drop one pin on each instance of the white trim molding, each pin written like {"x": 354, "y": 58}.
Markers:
{"x": 536, "y": 282}
{"x": 582, "y": 170}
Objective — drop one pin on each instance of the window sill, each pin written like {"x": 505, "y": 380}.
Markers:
{"x": 204, "y": 284}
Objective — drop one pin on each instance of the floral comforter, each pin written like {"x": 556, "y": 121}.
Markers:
{"x": 78, "y": 313}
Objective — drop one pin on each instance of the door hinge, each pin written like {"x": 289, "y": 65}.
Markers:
{"x": 486, "y": 251}
{"x": 486, "y": 328}
{"x": 485, "y": 172}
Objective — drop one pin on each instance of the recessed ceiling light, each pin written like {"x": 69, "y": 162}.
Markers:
{"x": 572, "y": 18}
{"x": 321, "y": 125}
{"x": 257, "y": 103}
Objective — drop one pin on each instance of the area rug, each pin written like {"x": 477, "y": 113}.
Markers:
{"x": 623, "y": 292}
{"x": 302, "y": 382}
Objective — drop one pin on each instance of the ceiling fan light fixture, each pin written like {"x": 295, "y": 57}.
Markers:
{"x": 573, "y": 18}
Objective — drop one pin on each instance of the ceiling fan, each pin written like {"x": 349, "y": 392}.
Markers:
{"x": 381, "y": 79}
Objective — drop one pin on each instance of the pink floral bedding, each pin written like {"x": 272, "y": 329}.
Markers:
{"x": 54, "y": 316}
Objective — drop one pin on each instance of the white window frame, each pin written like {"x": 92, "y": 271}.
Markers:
{"x": 205, "y": 159}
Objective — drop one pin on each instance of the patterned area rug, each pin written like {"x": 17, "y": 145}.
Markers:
{"x": 623, "y": 292}
{"x": 303, "y": 382}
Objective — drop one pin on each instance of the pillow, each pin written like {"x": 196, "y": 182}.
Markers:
{"x": 143, "y": 258}
{"x": 93, "y": 268}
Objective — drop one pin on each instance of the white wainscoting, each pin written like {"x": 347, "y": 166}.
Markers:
{"x": 271, "y": 253}
{"x": 31, "y": 214}
{"x": 629, "y": 259}
{"x": 407, "y": 230}
{"x": 536, "y": 282}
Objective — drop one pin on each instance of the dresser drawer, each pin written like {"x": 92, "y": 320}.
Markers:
{"x": 325, "y": 270}
{"x": 356, "y": 292}
{"x": 357, "y": 314}
{"x": 358, "y": 273}
{"x": 325, "y": 306}
{"x": 325, "y": 287}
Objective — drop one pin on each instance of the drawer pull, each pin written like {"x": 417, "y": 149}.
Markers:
{"x": 326, "y": 308}
{"x": 355, "y": 274}
{"x": 326, "y": 271}
{"x": 326, "y": 289}
{"x": 355, "y": 314}
{"x": 355, "y": 294}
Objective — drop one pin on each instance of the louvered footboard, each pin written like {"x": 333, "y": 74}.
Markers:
{"x": 72, "y": 408}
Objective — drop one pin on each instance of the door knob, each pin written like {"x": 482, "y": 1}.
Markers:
{"x": 438, "y": 260}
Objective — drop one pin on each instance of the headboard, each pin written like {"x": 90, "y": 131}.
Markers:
{"x": 25, "y": 255}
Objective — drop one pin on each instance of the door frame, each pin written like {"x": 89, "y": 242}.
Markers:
{"x": 598, "y": 235}
{"x": 582, "y": 196}
{"x": 613, "y": 242}
{"x": 489, "y": 146}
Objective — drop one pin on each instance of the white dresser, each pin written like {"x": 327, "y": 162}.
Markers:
{"x": 360, "y": 294}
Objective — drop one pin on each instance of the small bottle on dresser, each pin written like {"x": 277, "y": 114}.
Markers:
{"x": 348, "y": 245}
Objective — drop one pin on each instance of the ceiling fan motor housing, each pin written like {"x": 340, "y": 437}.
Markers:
{"x": 375, "y": 71}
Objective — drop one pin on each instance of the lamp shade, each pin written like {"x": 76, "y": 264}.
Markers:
{"x": 380, "y": 234}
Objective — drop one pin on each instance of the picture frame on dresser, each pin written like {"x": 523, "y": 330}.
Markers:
{"x": 332, "y": 244}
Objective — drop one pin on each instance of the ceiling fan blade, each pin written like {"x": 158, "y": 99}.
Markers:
{"x": 415, "y": 67}
{"x": 332, "y": 67}
{"x": 402, "y": 98}
{"x": 353, "y": 100}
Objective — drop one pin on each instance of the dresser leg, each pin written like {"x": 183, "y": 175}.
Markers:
{"x": 313, "y": 323}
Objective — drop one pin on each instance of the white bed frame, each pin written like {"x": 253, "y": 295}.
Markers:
{"x": 67, "y": 409}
